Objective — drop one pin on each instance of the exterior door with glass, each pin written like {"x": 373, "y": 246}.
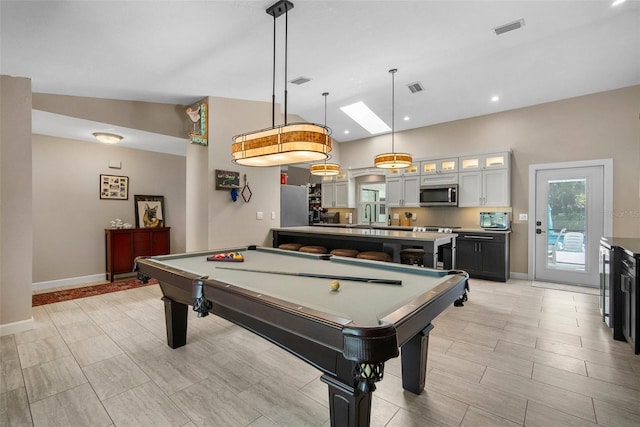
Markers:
{"x": 569, "y": 214}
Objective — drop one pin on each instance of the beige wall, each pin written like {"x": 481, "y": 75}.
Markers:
{"x": 15, "y": 204}
{"x": 598, "y": 126}
{"x": 69, "y": 216}
{"x": 165, "y": 119}
{"x": 234, "y": 223}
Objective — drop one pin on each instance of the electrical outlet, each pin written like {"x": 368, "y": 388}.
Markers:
{"x": 523, "y": 217}
{"x": 259, "y": 215}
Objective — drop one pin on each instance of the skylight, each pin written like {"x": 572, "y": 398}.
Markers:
{"x": 366, "y": 118}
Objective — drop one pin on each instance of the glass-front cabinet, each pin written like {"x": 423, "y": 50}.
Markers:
{"x": 437, "y": 166}
{"x": 439, "y": 171}
{"x": 485, "y": 180}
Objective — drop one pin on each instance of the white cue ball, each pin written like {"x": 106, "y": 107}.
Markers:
{"x": 335, "y": 285}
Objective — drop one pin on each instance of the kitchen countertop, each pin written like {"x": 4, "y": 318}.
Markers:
{"x": 629, "y": 244}
{"x": 407, "y": 234}
{"x": 408, "y": 228}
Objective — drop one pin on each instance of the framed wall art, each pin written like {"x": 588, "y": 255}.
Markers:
{"x": 114, "y": 187}
{"x": 149, "y": 211}
{"x": 198, "y": 115}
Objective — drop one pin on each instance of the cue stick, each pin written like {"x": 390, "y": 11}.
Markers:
{"x": 321, "y": 276}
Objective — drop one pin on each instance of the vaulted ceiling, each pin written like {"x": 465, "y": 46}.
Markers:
{"x": 181, "y": 51}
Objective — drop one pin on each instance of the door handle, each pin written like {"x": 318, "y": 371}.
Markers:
{"x": 539, "y": 231}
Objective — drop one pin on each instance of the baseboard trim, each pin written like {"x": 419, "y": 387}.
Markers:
{"x": 72, "y": 281}
{"x": 16, "y": 327}
{"x": 519, "y": 276}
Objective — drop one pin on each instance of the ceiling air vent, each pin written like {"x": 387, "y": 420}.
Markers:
{"x": 509, "y": 27}
{"x": 415, "y": 87}
{"x": 300, "y": 80}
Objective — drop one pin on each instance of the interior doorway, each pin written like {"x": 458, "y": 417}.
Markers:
{"x": 567, "y": 220}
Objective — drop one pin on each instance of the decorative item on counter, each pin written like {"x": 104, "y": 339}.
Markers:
{"x": 389, "y": 220}
{"x": 117, "y": 224}
{"x": 406, "y": 221}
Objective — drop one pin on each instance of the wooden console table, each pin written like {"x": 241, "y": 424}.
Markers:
{"x": 122, "y": 246}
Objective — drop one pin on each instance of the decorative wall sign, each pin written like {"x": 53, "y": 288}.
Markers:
{"x": 198, "y": 113}
{"x": 226, "y": 180}
{"x": 149, "y": 211}
{"x": 114, "y": 187}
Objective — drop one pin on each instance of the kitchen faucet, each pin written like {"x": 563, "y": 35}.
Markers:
{"x": 367, "y": 213}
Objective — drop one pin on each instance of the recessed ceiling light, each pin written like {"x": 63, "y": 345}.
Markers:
{"x": 346, "y": 132}
{"x": 407, "y": 118}
{"x": 495, "y": 98}
{"x": 617, "y": 2}
{"x": 366, "y": 118}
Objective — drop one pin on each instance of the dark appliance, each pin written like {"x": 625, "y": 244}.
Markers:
{"x": 630, "y": 302}
{"x": 607, "y": 276}
{"x": 439, "y": 195}
{"x": 330, "y": 218}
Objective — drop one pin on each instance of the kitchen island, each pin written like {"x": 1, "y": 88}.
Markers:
{"x": 391, "y": 242}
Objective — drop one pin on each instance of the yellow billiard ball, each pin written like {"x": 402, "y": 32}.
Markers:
{"x": 334, "y": 285}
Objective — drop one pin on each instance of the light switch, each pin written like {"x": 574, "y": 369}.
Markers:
{"x": 523, "y": 217}
{"x": 273, "y": 215}
{"x": 259, "y": 215}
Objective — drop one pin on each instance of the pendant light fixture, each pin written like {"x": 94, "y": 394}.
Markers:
{"x": 288, "y": 143}
{"x": 325, "y": 169}
{"x": 393, "y": 160}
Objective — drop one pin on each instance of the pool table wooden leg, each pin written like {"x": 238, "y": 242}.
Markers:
{"x": 348, "y": 407}
{"x": 175, "y": 315}
{"x": 414, "y": 361}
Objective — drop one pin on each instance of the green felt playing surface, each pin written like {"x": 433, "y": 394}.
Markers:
{"x": 363, "y": 303}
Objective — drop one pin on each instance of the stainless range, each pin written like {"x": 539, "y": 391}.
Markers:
{"x": 434, "y": 229}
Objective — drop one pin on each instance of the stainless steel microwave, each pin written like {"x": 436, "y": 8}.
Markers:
{"x": 439, "y": 195}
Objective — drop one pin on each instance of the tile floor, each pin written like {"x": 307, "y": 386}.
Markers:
{"x": 516, "y": 354}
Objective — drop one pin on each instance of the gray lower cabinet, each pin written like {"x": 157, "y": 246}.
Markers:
{"x": 484, "y": 255}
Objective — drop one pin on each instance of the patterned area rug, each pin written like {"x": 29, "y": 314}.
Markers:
{"x": 88, "y": 291}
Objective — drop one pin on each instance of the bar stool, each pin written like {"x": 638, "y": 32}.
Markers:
{"x": 350, "y": 253}
{"x": 290, "y": 246}
{"x": 375, "y": 256}
{"x": 412, "y": 256}
{"x": 313, "y": 249}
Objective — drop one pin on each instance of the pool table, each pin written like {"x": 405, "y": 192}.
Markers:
{"x": 347, "y": 334}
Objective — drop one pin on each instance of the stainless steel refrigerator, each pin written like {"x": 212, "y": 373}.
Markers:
{"x": 294, "y": 205}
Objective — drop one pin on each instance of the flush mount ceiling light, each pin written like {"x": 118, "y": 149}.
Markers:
{"x": 107, "y": 138}
{"x": 393, "y": 160}
{"x": 288, "y": 143}
{"x": 325, "y": 169}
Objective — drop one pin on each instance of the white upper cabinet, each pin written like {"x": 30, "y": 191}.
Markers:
{"x": 403, "y": 191}
{"x": 439, "y": 166}
{"x": 439, "y": 171}
{"x": 485, "y": 180}
{"x": 338, "y": 191}
{"x": 485, "y": 161}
